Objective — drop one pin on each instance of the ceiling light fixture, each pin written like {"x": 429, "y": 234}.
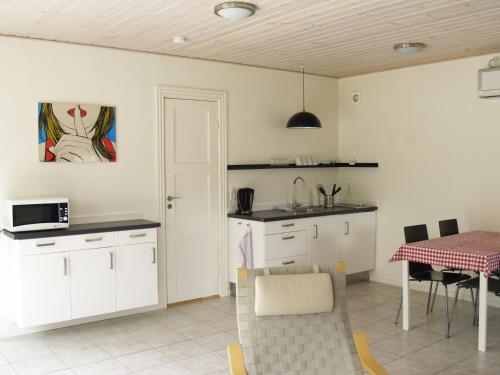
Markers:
{"x": 235, "y": 10}
{"x": 303, "y": 120}
{"x": 180, "y": 39}
{"x": 409, "y": 48}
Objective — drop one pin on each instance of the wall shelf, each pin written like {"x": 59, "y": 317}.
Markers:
{"x": 236, "y": 167}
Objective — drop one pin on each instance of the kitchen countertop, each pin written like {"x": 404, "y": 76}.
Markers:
{"x": 277, "y": 214}
{"x": 106, "y": 226}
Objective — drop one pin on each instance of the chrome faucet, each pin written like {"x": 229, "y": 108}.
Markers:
{"x": 294, "y": 199}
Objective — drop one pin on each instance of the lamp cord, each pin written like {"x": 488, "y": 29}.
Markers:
{"x": 303, "y": 90}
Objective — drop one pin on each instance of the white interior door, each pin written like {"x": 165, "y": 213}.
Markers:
{"x": 192, "y": 189}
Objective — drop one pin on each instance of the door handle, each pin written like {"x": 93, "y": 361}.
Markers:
{"x": 45, "y": 244}
{"x": 288, "y": 238}
{"x": 315, "y": 231}
{"x": 172, "y": 197}
{"x": 111, "y": 262}
{"x": 154, "y": 255}
{"x": 288, "y": 225}
{"x": 346, "y": 228}
{"x": 93, "y": 239}
{"x": 65, "y": 266}
{"x": 289, "y": 262}
{"x": 137, "y": 235}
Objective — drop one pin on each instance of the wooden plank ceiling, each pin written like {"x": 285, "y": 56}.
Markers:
{"x": 335, "y": 38}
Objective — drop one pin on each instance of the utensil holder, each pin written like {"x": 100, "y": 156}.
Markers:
{"x": 328, "y": 201}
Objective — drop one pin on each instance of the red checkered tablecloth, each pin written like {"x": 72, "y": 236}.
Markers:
{"x": 474, "y": 251}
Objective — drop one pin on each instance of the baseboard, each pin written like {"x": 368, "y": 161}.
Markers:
{"x": 424, "y": 287}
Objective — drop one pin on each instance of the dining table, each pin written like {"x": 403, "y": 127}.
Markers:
{"x": 477, "y": 251}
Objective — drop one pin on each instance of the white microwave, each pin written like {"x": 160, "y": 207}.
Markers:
{"x": 36, "y": 214}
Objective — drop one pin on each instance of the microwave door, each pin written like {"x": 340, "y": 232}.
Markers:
{"x": 29, "y": 216}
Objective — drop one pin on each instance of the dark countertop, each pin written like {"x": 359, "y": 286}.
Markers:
{"x": 276, "y": 215}
{"x": 106, "y": 226}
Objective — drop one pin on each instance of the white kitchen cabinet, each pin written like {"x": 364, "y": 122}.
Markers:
{"x": 136, "y": 276}
{"x": 43, "y": 289}
{"x": 323, "y": 240}
{"x": 60, "y": 278}
{"x": 93, "y": 282}
{"x": 357, "y": 241}
{"x": 314, "y": 240}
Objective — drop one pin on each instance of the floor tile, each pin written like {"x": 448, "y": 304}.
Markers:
{"x": 7, "y": 370}
{"x": 144, "y": 360}
{"x": 79, "y": 357}
{"x": 205, "y": 363}
{"x": 24, "y": 351}
{"x": 40, "y": 365}
{"x": 219, "y": 340}
{"x": 121, "y": 344}
{"x": 404, "y": 366}
{"x": 168, "y": 369}
{"x": 183, "y": 350}
{"x": 196, "y": 330}
{"x": 106, "y": 367}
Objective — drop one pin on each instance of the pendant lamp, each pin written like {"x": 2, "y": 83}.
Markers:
{"x": 303, "y": 120}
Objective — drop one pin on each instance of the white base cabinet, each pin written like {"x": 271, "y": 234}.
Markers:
{"x": 315, "y": 240}
{"x": 69, "y": 277}
{"x": 43, "y": 289}
{"x": 136, "y": 276}
{"x": 93, "y": 282}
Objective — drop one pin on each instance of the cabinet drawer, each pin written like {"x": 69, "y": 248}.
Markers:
{"x": 300, "y": 260}
{"x": 91, "y": 241}
{"x": 129, "y": 237}
{"x": 286, "y": 245}
{"x": 285, "y": 226}
{"x": 43, "y": 245}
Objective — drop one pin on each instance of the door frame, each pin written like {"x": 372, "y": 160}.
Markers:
{"x": 220, "y": 97}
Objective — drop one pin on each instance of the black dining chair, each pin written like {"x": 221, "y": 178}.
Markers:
{"x": 424, "y": 272}
{"x": 448, "y": 227}
{"x": 473, "y": 284}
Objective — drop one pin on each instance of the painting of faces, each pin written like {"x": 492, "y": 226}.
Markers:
{"x": 74, "y": 132}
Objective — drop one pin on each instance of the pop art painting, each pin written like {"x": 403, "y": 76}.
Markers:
{"x": 73, "y": 132}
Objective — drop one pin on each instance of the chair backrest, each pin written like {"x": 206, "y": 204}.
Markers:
{"x": 416, "y": 233}
{"x": 295, "y": 344}
{"x": 448, "y": 227}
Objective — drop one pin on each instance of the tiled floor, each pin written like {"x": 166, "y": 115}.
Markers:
{"x": 191, "y": 339}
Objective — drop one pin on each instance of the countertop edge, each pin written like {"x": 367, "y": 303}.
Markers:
{"x": 86, "y": 228}
{"x": 304, "y": 215}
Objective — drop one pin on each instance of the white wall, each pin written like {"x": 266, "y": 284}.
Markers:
{"x": 260, "y": 101}
{"x": 438, "y": 148}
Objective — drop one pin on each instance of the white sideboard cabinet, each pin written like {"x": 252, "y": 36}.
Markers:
{"x": 69, "y": 277}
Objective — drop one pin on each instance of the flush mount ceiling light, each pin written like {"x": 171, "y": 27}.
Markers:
{"x": 180, "y": 39}
{"x": 235, "y": 10}
{"x": 303, "y": 120}
{"x": 409, "y": 48}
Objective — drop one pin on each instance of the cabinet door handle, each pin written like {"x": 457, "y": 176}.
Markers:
{"x": 289, "y": 262}
{"x": 154, "y": 255}
{"x": 346, "y": 228}
{"x": 288, "y": 238}
{"x": 93, "y": 239}
{"x": 137, "y": 235}
{"x": 65, "y": 266}
{"x": 315, "y": 231}
{"x": 111, "y": 261}
{"x": 288, "y": 225}
{"x": 45, "y": 244}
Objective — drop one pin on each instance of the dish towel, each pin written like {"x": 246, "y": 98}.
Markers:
{"x": 246, "y": 249}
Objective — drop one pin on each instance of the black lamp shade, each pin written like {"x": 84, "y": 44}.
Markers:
{"x": 303, "y": 120}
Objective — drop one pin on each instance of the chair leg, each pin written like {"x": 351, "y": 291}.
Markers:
{"x": 399, "y": 310}
{"x": 434, "y": 298}
{"x": 429, "y": 297}
{"x": 447, "y": 313}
